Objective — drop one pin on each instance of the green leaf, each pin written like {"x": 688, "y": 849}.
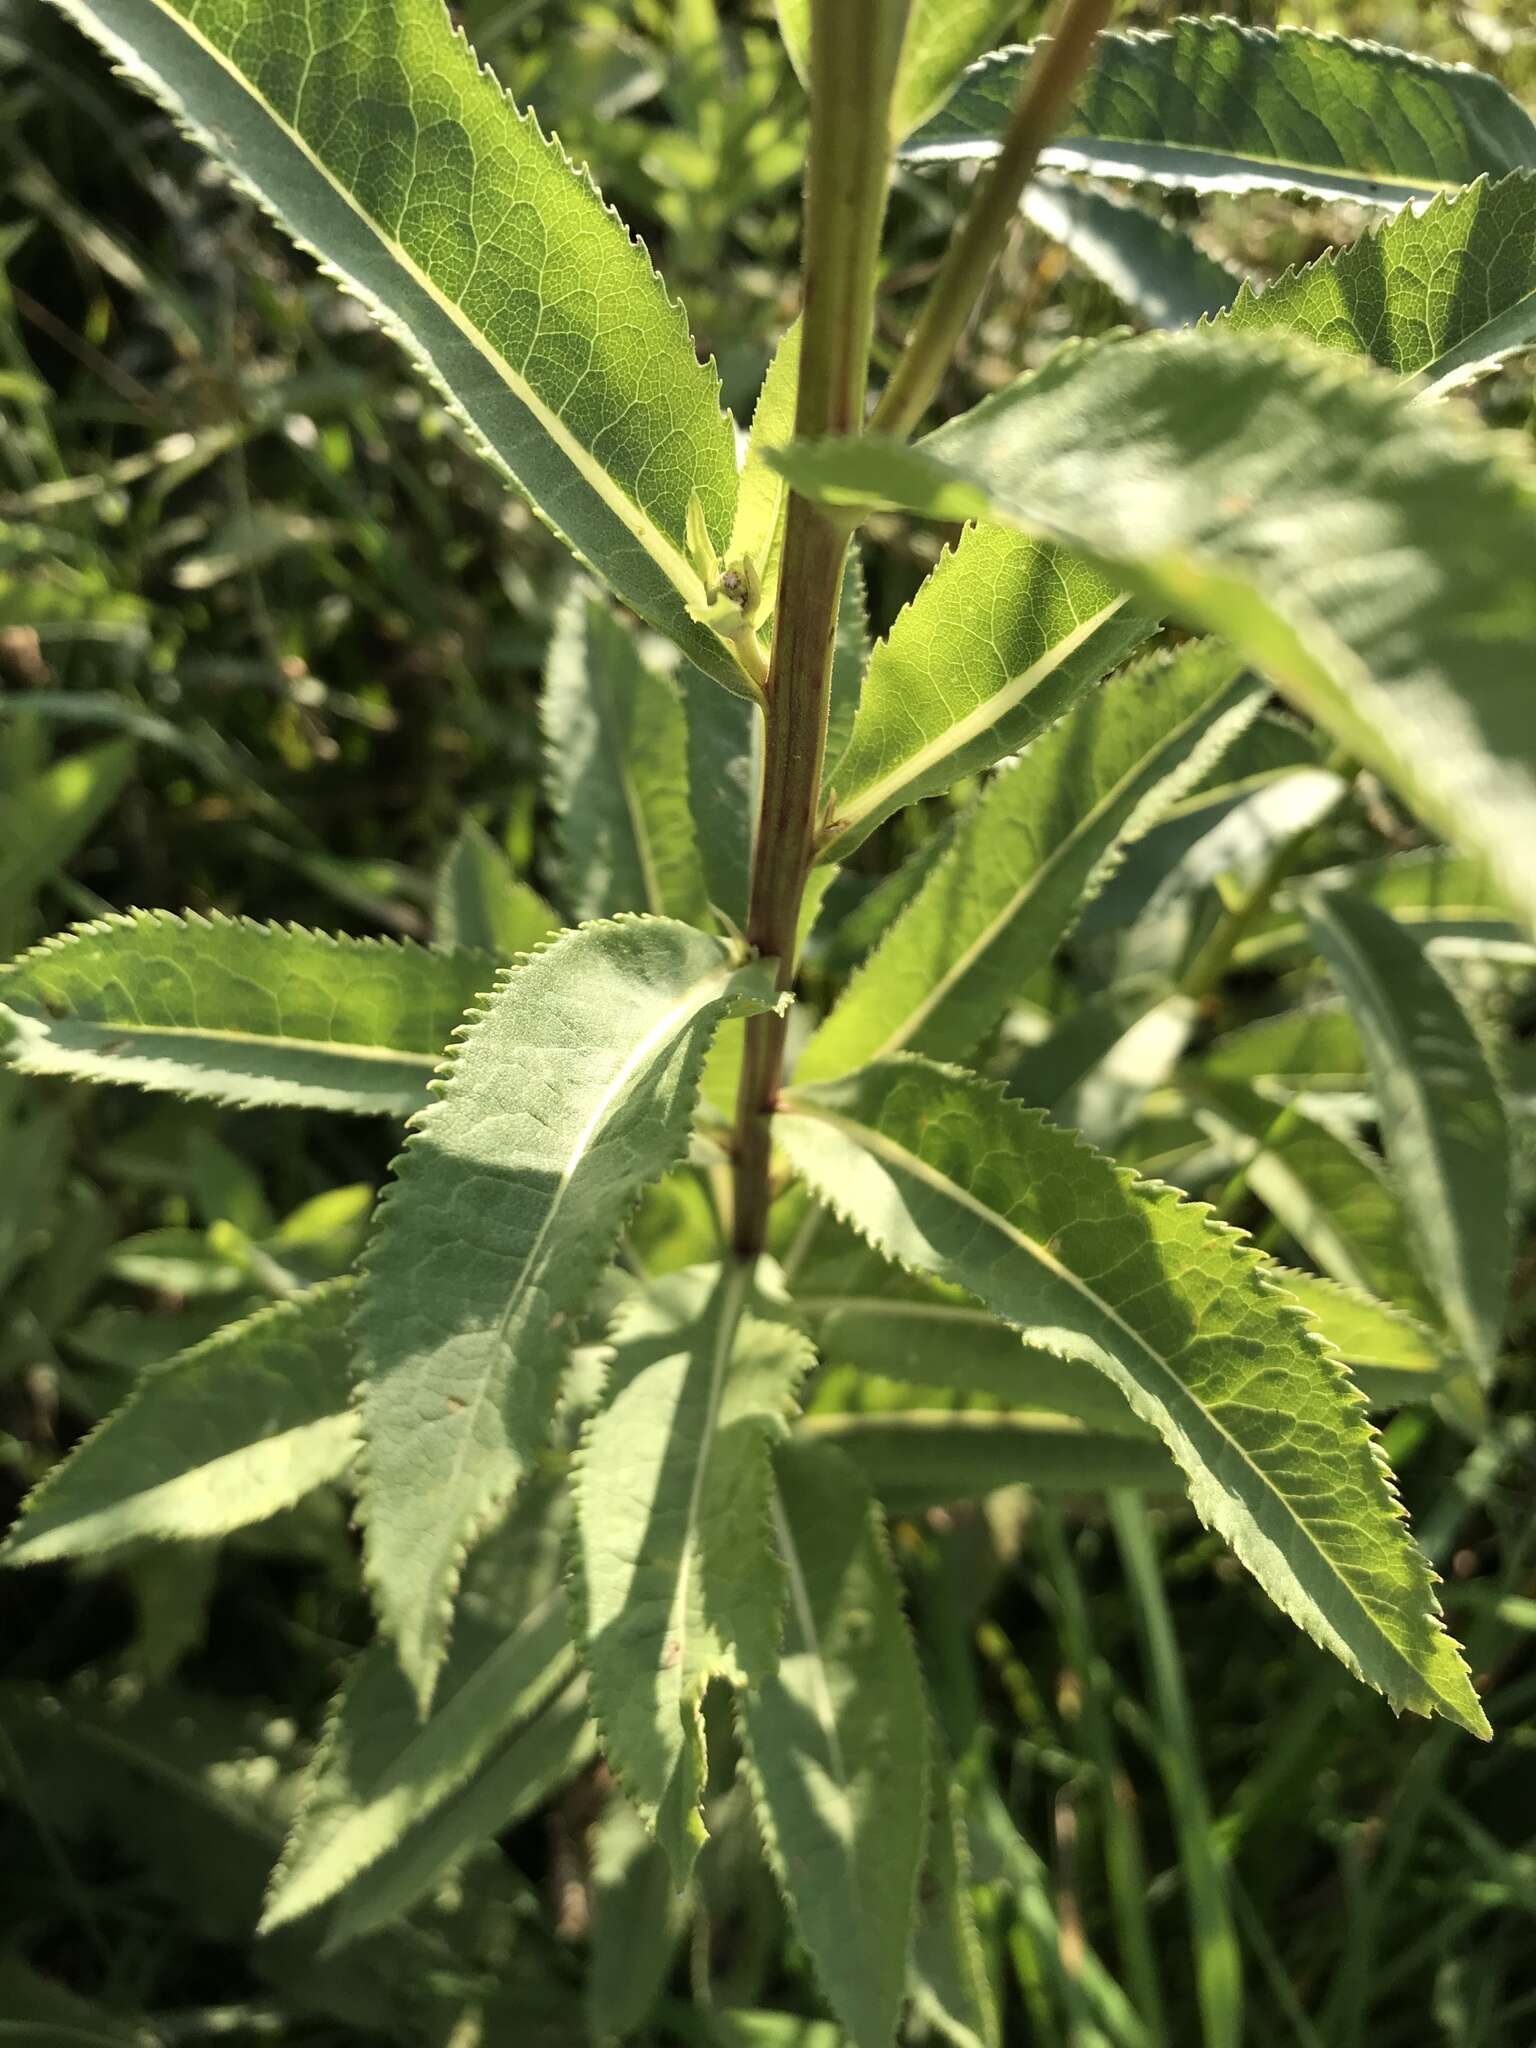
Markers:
{"x": 837, "y": 1744}
{"x": 1039, "y": 841}
{"x": 384, "y": 147}
{"x": 1323, "y": 1188}
{"x": 226, "y": 1010}
{"x": 637, "y": 1918}
{"x": 1444, "y": 295}
{"x": 1002, "y": 638}
{"x": 224, "y": 1435}
{"x": 921, "y": 1458}
{"x": 51, "y": 816}
{"x": 1214, "y": 107}
{"x": 675, "y": 1578}
{"x": 1371, "y": 557}
{"x": 1154, "y": 268}
{"x": 950, "y": 1986}
{"x": 380, "y": 1771}
{"x": 569, "y": 1092}
{"x": 1441, "y": 1117}
{"x": 482, "y": 906}
{"x": 758, "y": 532}
{"x": 725, "y": 745}
{"x": 949, "y": 1178}
{"x": 543, "y": 1756}
{"x": 616, "y": 754}
{"x": 942, "y": 37}
{"x": 1443, "y": 896}
{"x": 1390, "y": 1356}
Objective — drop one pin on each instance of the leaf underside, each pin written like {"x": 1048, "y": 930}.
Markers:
{"x": 250, "y": 1015}
{"x": 241, "y": 1426}
{"x": 1212, "y": 106}
{"x": 1033, "y": 848}
{"x": 1368, "y": 555}
{"x": 946, "y": 1176}
{"x": 675, "y": 1579}
{"x": 836, "y": 1744}
{"x": 562, "y": 1099}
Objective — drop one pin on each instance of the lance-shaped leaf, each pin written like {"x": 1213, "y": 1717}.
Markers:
{"x": 757, "y": 534}
{"x": 1002, "y": 638}
{"x": 481, "y": 905}
{"x": 1037, "y": 843}
{"x": 950, "y": 1986}
{"x": 242, "y": 1425}
{"x": 1321, "y": 1185}
{"x": 1214, "y": 107}
{"x": 1370, "y": 556}
{"x": 1154, "y": 268}
{"x": 1444, "y": 295}
{"x": 1391, "y": 1357}
{"x": 675, "y": 1578}
{"x": 52, "y": 814}
{"x": 226, "y": 1010}
{"x": 1440, "y": 1113}
{"x": 948, "y": 1177}
{"x": 381, "y": 145}
{"x": 1445, "y": 897}
{"x": 837, "y": 1744}
{"x": 380, "y": 1771}
{"x": 562, "y": 1099}
{"x": 919, "y": 1458}
{"x": 616, "y": 753}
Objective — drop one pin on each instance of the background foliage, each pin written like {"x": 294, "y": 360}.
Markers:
{"x": 269, "y": 636}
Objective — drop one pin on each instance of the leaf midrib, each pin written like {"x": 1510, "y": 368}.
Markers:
{"x": 902, "y": 1160}
{"x": 940, "y": 990}
{"x": 668, "y": 1024}
{"x": 336, "y": 1049}
{"x": 675, "y": 566}
{"x": 980, "y": 719}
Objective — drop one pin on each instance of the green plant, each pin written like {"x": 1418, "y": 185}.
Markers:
{"x": 529, "y": 1373}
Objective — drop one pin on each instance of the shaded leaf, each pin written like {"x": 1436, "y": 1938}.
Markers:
{"x": 1036, "y": 844}
{"x": 919, "y": 1458}
{"x": 1216, "y": 107}
{"x": 1368, "y": 555}
{"x": 675, "y": 1578}
{"x": 481, "y": 905}
{"x": 1441, "y": 1117}
{"x": 946, "y": 1176}
{"x": 1160, "y": 273}
{"x": 616, "y": 754}
{"x": 242, "y": 1425}
{"x": 837, "y": 1744}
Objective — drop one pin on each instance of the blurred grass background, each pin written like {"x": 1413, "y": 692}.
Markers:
{"x": 268, "y": 634}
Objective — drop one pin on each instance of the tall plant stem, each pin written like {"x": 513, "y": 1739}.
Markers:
{"x": 855, "y": 45}
{"x": 956, "y": 290}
